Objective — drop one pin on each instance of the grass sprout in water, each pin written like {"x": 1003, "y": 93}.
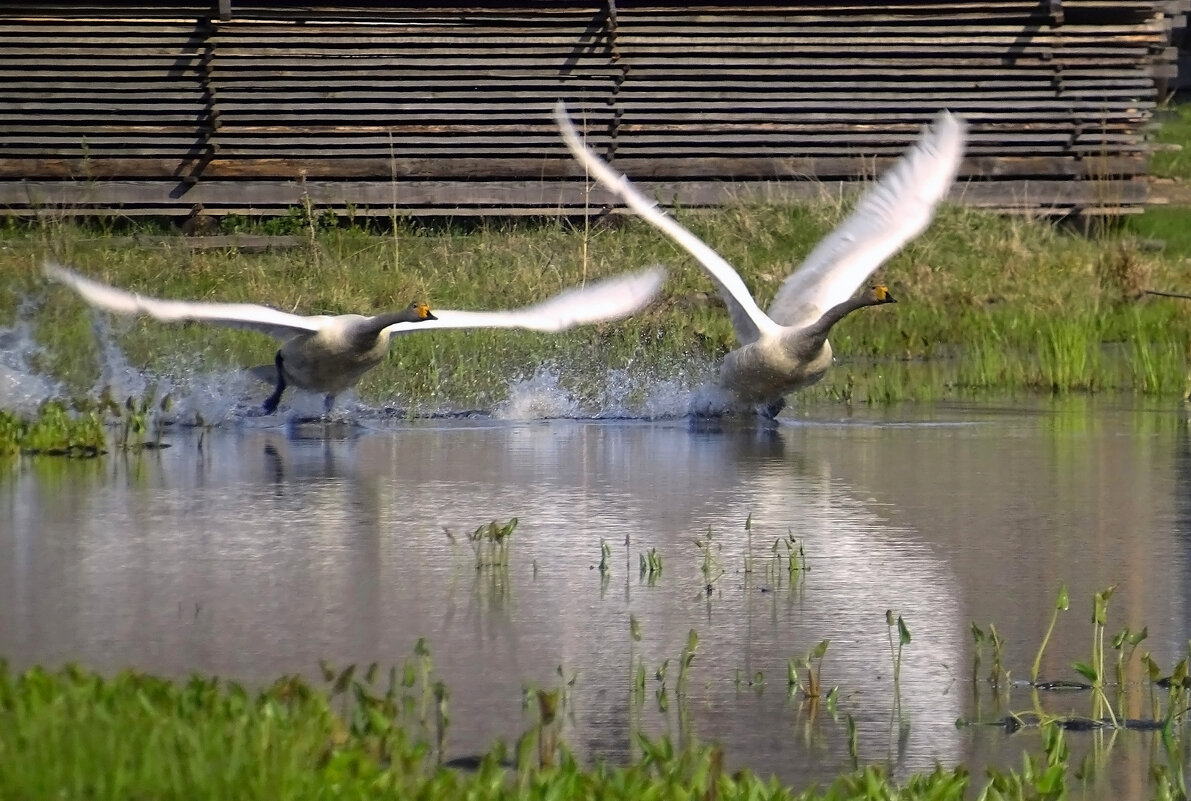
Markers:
{"x": 650, "y": 566}
{"x": 1103, "y": 713}
{"x": 903, "y": 639}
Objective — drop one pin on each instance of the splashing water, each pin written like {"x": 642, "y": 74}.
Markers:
{"x": 619, "y": 393}
{"x": 538, "y": 397}
{"x": 22, "y": 388}
{"x": 229, "y": 395}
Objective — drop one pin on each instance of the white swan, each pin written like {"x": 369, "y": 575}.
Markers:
{"x": 329, "y": 354}
{"x": 788, "y": 349}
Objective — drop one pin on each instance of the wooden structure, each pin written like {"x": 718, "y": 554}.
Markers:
{"x": 182, "y": 107}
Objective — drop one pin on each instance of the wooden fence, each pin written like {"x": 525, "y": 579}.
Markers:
{"x": 230, "y": 106}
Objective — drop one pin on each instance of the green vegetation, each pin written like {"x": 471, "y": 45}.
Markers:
{"x": 385, "y": 734}
{"x": 1175, "y": 129}
{"x": 989, "y": 305}
{"x": 74, "y": 734}
{"x": 55, "y": 432}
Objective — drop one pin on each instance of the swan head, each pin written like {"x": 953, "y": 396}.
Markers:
{"x": 420, "y": 311}
{"x": 880, "y": 294}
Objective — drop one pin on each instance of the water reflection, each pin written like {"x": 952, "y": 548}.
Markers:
{"x": 263, "y": 550}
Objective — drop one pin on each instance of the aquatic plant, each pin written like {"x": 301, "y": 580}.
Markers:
{"x": 684, "y": 662}
{"x": 807, "y": 672}
{"x": 903, "y": 639}
{"x": 997, "y": 674}
{"x": 1093, "y": 670}
{"x": 1061, "y": 604}
{"x": 491, "y": 543}
{"x": 709, "y": 565}
{"x": 54, "y": 432}
{"x": 650, "y": 565}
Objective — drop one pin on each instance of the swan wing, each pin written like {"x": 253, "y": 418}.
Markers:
{"x": 747, "y": 318}
{"x": 609, "y": 299}
{"x": 894, "y": 211}
{"x": 273, "y": 322}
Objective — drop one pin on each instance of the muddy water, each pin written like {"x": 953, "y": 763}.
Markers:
{"x": 259, "y": 550}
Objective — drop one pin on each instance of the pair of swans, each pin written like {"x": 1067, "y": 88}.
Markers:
{"x": 779, "y": 353}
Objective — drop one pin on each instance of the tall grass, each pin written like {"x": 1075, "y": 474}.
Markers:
{"x": 986, "y": 304}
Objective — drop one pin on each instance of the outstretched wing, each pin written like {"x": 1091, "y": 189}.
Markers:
{"x": 894, "y": 211}
{"x": 279, "y": 324}
{"x": 602, "y": 300}
{"x": 747, "y": 318}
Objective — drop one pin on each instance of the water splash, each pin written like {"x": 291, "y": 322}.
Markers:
{"x": 636, "y": 392}
{"x": 541, "y": 396}
{"x": 22, "y": 387}
{"x": 199, "y": 395}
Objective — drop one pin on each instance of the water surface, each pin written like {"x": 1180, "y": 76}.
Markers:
{"x": 257, "y": 549}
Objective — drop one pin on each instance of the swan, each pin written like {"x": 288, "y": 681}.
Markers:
{"x": 787, "y": 349}
{"x": 329, "y": 354}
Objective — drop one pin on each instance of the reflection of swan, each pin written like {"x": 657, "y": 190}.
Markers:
{"x": 330, "y": 354}
{"x": 788, "y": 349}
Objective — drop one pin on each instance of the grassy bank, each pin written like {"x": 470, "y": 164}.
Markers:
{"x": 988, "y": 305}
{"x": 385, "y": 734}
{"x": 77, "y": 735}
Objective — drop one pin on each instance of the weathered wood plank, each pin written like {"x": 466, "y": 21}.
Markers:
{"x": 377, "y": 196}
{"x": 514, "y": 168}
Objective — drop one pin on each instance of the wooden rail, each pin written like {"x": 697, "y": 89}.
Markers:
{"x": 230, "y": 106}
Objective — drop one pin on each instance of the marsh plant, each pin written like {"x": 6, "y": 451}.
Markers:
{"x": 491, "y": 543}
{"x": 605, "y": 565}
{"x": 1062, "y": 602}
{"x": 710, "y": 564}
{"x": 550, "y": 706}
{"x": 684, "y": 662}
{"x": 1093, "y": 670}
{"x": 804, "y": 675}
{"x": 56, "y": 431}
{"x": 650, "y": 566}
{"x": 998, "y": 676}
{"x": 1104, "y": 712}
{"x": 903, "y": 639}
{"x": 787, "y": 563}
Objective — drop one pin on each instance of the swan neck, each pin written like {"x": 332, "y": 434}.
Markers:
{"x": 821, "y": 327}
{"x": 371, "y": 328}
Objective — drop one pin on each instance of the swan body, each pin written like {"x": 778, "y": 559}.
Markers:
{"x": 330, "y": 354}
{"x": 787, "y": 348}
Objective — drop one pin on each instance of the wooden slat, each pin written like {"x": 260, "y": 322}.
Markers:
{"x": 173, "y": 94}
{"x": 377, "y": 197}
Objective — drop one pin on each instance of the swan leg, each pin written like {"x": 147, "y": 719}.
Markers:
{"x": 772, "y": 410}
{"x": 271, "y": 402}
{"x": 328, "y": 402}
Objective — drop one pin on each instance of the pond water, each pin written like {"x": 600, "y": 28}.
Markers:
{"x": 256, "y": 549}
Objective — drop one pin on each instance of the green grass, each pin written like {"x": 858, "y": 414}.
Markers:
{"x": 1174, "y": 128}
{"x": 987, "y": 304}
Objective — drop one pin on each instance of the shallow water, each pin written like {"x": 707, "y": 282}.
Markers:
{"x": 257, "y": 549}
